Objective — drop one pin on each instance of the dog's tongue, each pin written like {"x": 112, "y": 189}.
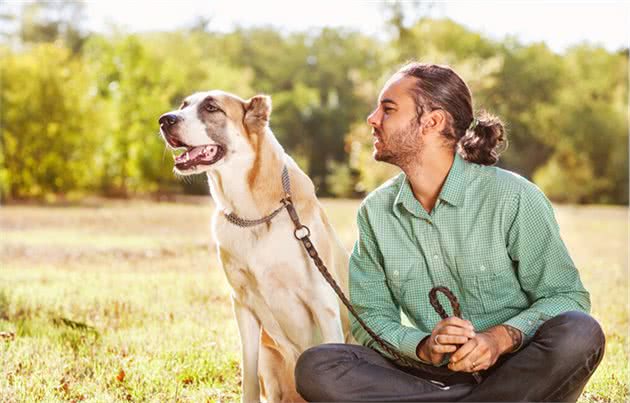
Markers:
{"x": 201, "y": 153}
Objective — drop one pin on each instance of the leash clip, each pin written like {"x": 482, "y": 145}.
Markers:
{"x": 301, "y": 232}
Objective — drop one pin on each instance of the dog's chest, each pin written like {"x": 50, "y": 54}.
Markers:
{"x": 249, "y": 255}
{"x": 269, "y": 275}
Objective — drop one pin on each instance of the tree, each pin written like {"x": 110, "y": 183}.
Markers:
{"x": 47, "y": 110}
{"x": 47, "y": 21}
{"x": 587, "y": 130}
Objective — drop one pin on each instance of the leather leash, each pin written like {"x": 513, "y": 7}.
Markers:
{"x": 435, "y": 303}
{"x": 302, "y": 233}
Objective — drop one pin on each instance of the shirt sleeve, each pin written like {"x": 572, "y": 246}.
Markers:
{"x": 372, "y": 298}
{"x": 545, "y": 270}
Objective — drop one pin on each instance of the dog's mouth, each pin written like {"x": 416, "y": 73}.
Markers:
{"x": 201, "y": 155}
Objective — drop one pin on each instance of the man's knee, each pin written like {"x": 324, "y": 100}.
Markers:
{"x": 312, "y": 375}
{"x": 576, "y": 336}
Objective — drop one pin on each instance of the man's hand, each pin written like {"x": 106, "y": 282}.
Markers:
{"x": 450, "y": 333}
{"x": 482, "y": 351}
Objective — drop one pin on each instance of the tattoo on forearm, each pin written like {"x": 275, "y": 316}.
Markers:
{"x": 515, "y": 335}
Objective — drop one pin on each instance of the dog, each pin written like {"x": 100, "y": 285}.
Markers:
{"x": 281, "y": 302}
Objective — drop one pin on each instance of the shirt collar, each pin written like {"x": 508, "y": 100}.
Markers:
{"x": 405, "y": 197}
{"x": 453, "y": 190}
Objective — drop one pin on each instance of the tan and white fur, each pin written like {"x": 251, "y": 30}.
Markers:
{"x": 281, "y": 302}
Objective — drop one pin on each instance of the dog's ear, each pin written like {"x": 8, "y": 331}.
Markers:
{"x": 257, "y": 111}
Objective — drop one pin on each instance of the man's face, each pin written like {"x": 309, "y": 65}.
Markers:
{"x": 394, "y": 123}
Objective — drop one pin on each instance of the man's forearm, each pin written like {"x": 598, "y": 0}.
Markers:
{"x": 508, "y": 338}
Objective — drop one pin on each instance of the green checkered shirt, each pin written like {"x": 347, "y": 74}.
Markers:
{"x": 491, "y": 238}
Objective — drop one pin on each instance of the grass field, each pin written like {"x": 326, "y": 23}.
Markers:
{"x": 125, "y": 301}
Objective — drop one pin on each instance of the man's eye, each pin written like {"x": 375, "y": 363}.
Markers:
{"x": 387, "y": 110}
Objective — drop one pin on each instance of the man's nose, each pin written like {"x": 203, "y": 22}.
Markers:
{"x": 168, "y": 119}
{"x": 372, "y": 118}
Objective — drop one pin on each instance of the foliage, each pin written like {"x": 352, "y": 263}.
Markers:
{"x": 47, "y": 113}
{"x": 79, "y": 110}
{"x": 588, "y": 130}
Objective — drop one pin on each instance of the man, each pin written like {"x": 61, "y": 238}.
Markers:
{"x": 452, "y": 219}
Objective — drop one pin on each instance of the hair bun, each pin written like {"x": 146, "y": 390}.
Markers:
{"x": 484, "y": 140}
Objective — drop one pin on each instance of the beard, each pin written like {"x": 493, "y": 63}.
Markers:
{"x": 401, "y": 147}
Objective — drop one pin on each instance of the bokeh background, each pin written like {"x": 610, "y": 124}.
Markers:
{"x": 110, "y": 287}
{"x": 79, "y": 107}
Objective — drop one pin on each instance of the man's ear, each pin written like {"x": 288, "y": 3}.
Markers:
{"x": 257, "y": 111}
{"x": 435, "y": 120}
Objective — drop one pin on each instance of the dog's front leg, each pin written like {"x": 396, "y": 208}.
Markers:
{"x": 249, "y": 329}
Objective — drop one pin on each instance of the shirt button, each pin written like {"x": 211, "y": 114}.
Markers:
{"x": 436, "y": 257}
{"x": 530, "y": 322}
{"x": 395, "y": 272}
{"x": 482, "y": 268}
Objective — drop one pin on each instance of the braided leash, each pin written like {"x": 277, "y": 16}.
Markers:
{"x": 302, "y": 234}
{"x": 435, "y": 303}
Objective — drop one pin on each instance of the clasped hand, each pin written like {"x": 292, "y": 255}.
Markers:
{"x": 472, "y": 351}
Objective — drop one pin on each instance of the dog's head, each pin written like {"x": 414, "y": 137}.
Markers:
{"x": 213, "y": 128}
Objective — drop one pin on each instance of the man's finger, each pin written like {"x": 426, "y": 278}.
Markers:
{"x": 481, "y": 361}
{"x": 456, "y": 331}
{"x": 449, "y": 339}
{"x": 455, "y": 321}
{"x": 465, "y": 365}
{"x": 443, "y": 348}
{"x": 463, "y": 351}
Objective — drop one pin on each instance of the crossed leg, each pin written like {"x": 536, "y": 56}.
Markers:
{"x": 554, "y": 366}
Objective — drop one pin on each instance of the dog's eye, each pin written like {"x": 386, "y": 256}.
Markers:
{"x": 183, "y": 105}
{"x": 211, "y": 108}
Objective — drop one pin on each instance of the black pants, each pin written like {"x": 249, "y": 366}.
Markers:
{"x": 554, "y": 366}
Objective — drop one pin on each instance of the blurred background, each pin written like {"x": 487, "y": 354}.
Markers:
{"x": 83, "y": 84}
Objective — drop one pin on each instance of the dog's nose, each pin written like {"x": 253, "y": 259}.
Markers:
{"x": 168, "y": 119}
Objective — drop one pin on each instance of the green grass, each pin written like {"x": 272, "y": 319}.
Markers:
{"x": 125, "y": 301}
